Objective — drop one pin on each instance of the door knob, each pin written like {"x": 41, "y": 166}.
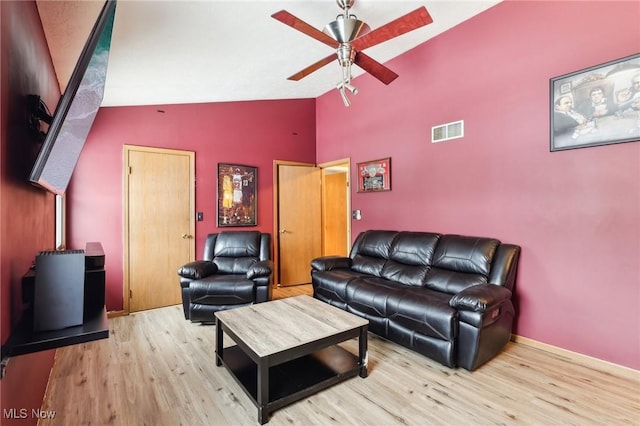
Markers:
{"x": 186, "y": 236}
{"x": 283, "y": 231}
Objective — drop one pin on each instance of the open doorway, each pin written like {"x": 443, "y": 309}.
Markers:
{"x": 336, "y": 208}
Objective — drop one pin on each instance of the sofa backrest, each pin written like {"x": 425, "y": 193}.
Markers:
{"x": 445, "y": 263}
{"x": 397, "y": 256}
{"x": 371, "y": 250}
{"x": 460, "y": 262}
{"x": 234, "y": 252}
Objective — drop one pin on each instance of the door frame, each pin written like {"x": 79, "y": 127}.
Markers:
{"x": 125, "y": 214}
{"x": 344, "y": 162}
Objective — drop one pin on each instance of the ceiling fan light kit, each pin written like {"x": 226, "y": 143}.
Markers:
{"x": 350, "y": 36}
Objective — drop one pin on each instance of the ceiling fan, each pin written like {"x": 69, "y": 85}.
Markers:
{"x": 350, "y": 36}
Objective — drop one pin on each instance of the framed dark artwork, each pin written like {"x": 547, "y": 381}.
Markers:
{"x": 599, "y": 105}
{"x": 237, "y": 196}
{"x": 374, "y": 175}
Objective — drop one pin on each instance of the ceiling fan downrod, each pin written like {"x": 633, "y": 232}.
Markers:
{"x": 345, "y": 5}
{"x": 344, "y": 30}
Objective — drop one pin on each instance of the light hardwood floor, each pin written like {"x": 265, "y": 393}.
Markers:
{"x": 156, "y": 368}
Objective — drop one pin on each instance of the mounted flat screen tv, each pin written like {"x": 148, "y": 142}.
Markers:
{"x": 76, "y": 110}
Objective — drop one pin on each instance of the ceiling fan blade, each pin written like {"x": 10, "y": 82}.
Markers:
{"x": 298, "y": 24}
{"x": 311, "y": 68}
{"x": 409, "y": 22}
{"x": 375, "y": 68}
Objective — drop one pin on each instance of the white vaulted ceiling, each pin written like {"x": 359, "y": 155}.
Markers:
{"x": 166, "y": 52}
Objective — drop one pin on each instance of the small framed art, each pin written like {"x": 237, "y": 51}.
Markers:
{"x": 237, "y": 196}
{"x": 374, "y": 175}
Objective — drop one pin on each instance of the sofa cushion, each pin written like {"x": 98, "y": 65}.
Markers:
{"x": 404, "y": 274}
{"x": 451, "y": 282}
{"x": 237, "y": 244}
{"x": 222, "y": 290}
{"x": 414, "y": 248}
{"x": 370, "y": 295}
{"x": 465, "y": 254}
{"x": 368, "y": 265}
{"x": 332, "y": 285}
{"x": 424, "y": 311}
{"x": 410, "y": 255}
{"x": 372, "y": 251}
{"x": 376, "y": 243}
{"x": 234, "y": 265}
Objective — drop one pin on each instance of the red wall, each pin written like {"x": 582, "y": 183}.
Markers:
{"x": 250, "y": 133}
{"x": 575, "y": 213}
{"x": 26, "y": 212}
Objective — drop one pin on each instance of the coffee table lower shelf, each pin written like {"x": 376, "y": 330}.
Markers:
{"x": 292, "y": 380}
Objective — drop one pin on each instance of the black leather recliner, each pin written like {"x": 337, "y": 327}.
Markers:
{"x": 235, "y": 270}
{"x": 445, "y": 296}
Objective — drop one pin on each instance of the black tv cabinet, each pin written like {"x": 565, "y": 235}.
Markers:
{"x": 95, "y": 326}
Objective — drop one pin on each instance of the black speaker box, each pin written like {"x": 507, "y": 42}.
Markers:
{"x": 58, "y": 300}
{"x": 93, "y": 284}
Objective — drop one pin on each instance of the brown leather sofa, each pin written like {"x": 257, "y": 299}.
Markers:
{"x": 445, "y": 296}
{"x": 235, "y": 270}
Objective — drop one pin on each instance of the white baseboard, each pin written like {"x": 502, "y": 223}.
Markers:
{"x": 578, "y": 357}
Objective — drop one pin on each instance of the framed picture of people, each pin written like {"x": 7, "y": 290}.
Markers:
{"x": 237, "y": 196}
{"x": 599, "y": 105}
{"x": 374, "y": 175}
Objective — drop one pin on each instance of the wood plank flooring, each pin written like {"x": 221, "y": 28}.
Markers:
{"x": 156, "y": 368}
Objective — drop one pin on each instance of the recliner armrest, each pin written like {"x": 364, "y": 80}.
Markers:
{"x": 480, "y": 298}
{"x": 263, "y": 268}
{"x": 198, "y": 269}
{"x": 327, "y": 263}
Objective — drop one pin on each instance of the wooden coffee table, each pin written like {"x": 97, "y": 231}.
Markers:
{"x": 288, "y": 349}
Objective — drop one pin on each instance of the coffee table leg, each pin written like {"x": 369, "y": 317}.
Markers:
{"x": 363, "y": 355}
{"x": 219, "y": 345}
{"x": 263, "y": 392}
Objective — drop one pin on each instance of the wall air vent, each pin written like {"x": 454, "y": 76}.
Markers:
{"x": 447, "y": 131}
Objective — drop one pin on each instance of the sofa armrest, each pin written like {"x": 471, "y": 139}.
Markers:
{"x": 198, "y": 269}
{"x": 263, "y": 268}
{"x": 327, "y": 263}
{"x": 480, "y": 298}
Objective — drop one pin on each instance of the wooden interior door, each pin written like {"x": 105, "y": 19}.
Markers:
{"x": 298, "y": 222}
{"x": 159, "y": 224}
